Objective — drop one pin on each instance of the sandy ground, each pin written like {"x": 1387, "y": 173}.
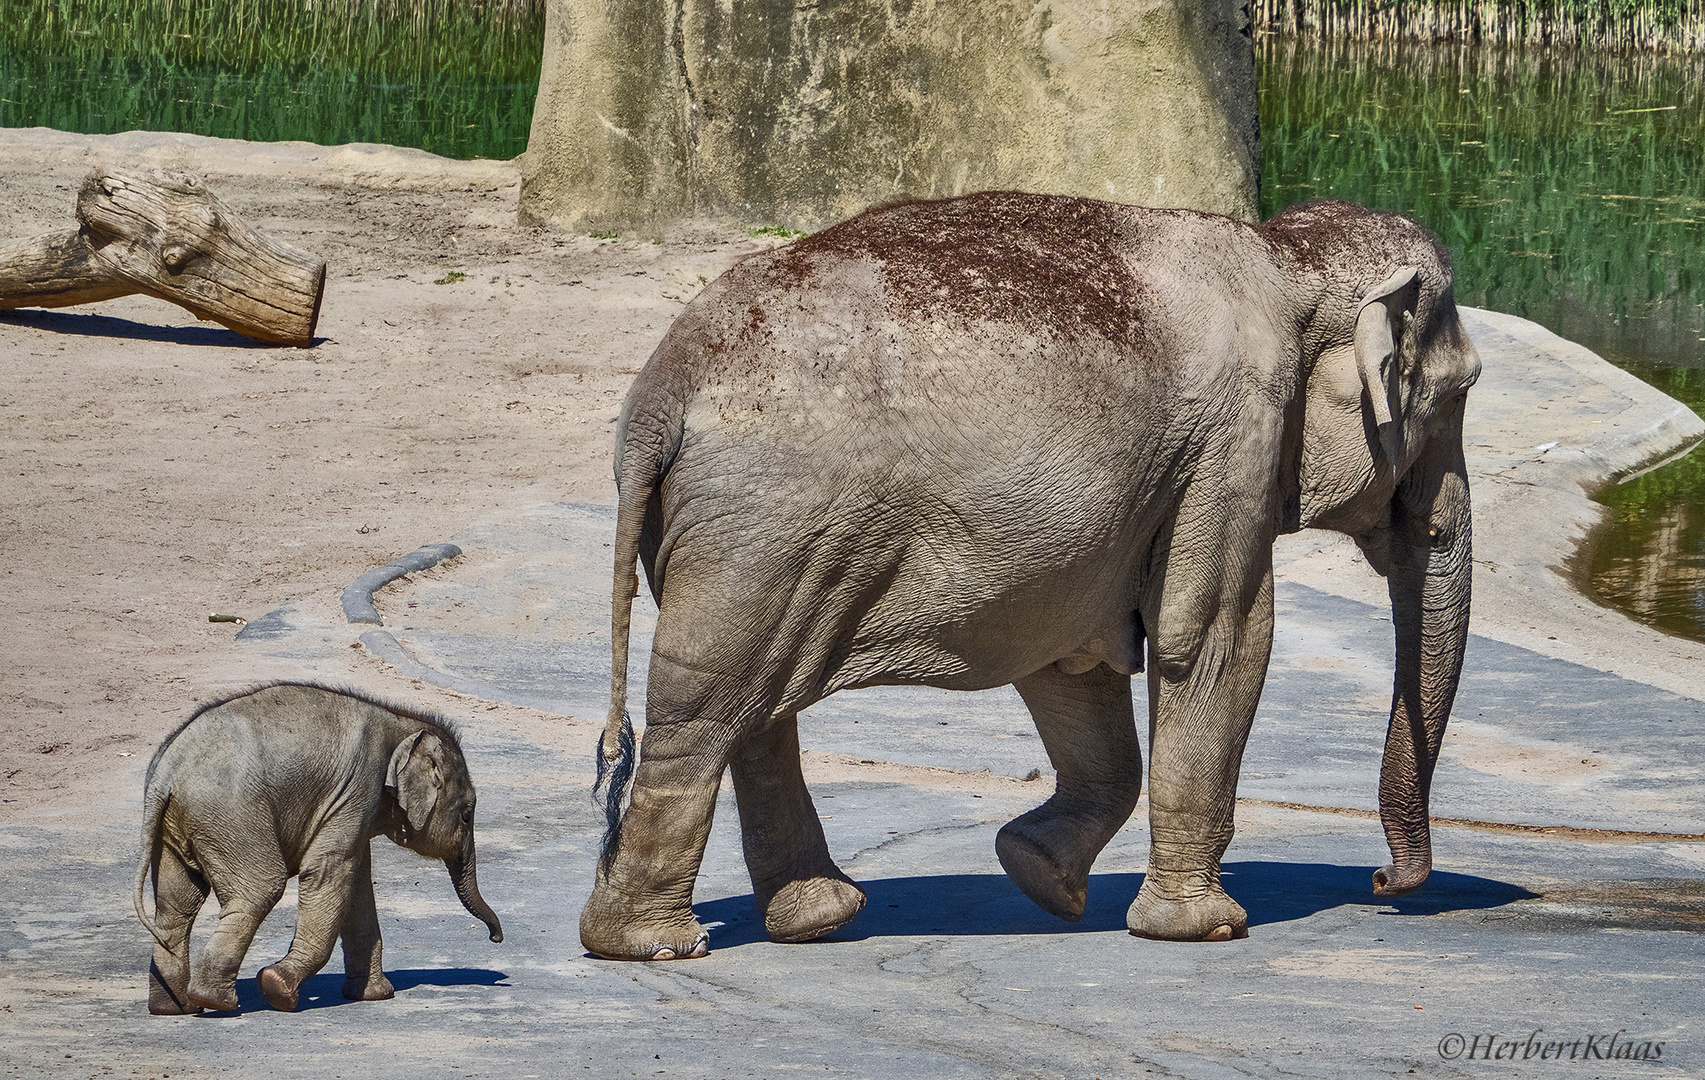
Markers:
{"x": 157, "y": 470}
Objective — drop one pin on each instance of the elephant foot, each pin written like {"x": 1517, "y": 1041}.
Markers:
{"x": 219, "y": 1000}
{"x": 614, "y": 932}
{"x": 808, "y": 909}
{"x": 280, "y": 989}
{"x": 639, "y": 943}
{"x": 377, "y": 988}
{"x": 1057, "y": 889}
{"x": 1187, "y": 906}
{"x": 163, "y": 1002}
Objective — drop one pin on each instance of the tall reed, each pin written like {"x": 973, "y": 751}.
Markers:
{"x": 497, "y": 39}
{"x": 1654, "y": 25}
{"x": 456, "y": 77}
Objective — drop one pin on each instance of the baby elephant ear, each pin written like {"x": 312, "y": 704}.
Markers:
{"x": 1378, "y": 324}
{"x": 413, "y": 777}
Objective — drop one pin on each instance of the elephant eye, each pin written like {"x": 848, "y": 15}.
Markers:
{"x": 467, "y": 815}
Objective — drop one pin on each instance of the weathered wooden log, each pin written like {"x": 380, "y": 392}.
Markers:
{"x": 167, "y": 236}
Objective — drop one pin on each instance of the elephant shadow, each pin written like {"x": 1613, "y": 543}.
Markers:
{"x": 325, "y": 990}
{"x": 990, "y": 904}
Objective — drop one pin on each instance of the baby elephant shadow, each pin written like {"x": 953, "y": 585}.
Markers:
{"x": 955, "y": 905}
{"x": 325, "y": 990}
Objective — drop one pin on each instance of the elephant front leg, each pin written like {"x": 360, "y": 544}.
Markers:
{"x": 801, "y": 892}
{"x": 324, "y": 890}
{"x": 179, "y": 893}
{"x": 363, "y": 952}
{"x": 1200, "y": 714}
{"x": 1089, "y": 730}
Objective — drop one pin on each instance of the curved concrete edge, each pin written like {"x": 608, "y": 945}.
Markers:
{"x": 357, "y": 599}
{"x": 1659, "y": 428}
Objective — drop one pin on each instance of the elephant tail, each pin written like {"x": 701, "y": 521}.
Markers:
{"x": 153, "y": 810}
{"x": 617, "y": 745}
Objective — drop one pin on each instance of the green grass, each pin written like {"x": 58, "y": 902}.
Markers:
{"x": 1559, "y": 201}
{"x": 456, "y": 77}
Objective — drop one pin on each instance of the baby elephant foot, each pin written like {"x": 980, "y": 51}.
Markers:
{"x": 279, "y": 988}
{"x": 377, "y": 988}
{"x": 808, "y": 909}
{"x": 1057, "y": 885}
{"x": 1185, "y": 906}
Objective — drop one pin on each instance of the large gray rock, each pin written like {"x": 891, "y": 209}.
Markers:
{"x": 802, "y": 114}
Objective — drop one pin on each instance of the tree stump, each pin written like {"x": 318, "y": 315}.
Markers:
{"x": 165, "y": 235}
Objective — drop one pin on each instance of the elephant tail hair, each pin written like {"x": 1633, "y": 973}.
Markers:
{"x": 153, "y": 809}
{"x": 616, "y": 771}
{"x": 617, "y": 745}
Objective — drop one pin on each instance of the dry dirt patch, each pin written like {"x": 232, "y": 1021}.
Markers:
{"x": 157, "y": 470}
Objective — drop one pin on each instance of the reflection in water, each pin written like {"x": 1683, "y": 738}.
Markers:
{"x": 1650, "y": 559}
{"x": 1570, "y": 188}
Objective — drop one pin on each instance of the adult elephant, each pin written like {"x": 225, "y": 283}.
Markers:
{"x": 1013, "y": 438}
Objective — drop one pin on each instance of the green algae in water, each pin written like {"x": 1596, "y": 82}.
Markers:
{"x": 454, "y": 78}
{"x": 1570, "y": 188}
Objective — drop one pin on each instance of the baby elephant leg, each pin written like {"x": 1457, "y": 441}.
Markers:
{"x": 179, "y": 893}
{"x": 800, "y": 890}
{"x": 324, "y": 890}
{"x": 1089, "y": 730}
{"x": 363, "y": 952}
{"x": 213, "y": 981}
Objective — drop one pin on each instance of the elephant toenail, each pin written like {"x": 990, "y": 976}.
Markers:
{"x": 665, "y": 953}
{"x": 1221, "y": 933}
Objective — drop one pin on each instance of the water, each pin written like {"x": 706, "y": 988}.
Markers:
{"x": 1570, "y": 188}
{"x": 455, "y": 77}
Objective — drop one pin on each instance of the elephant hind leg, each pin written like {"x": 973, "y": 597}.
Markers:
{"x": 179, "y": 893}
{"x": 642, "y": 908}
{"x": 800, "y": 890}
{"x": 1089, "y": 730}
{"x": 213, "y": 981}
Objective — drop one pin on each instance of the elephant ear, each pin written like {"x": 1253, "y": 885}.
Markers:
{"x": 414, "y": 779}
{"x": 1386, "y": 312}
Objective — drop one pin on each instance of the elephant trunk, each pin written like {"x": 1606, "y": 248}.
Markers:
{"x": 1430, "y": 580}
{"x": 466, "y": 880}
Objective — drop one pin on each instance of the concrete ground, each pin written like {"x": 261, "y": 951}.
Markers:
{"x": 1567, "y": 906}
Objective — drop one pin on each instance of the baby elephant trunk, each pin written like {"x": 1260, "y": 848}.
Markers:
{"x": 466, "y": 880}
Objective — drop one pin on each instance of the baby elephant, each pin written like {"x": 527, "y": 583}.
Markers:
{"x": 294, "y": 779}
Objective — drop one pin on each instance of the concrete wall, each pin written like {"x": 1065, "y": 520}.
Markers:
{"x": 803, "y": 112}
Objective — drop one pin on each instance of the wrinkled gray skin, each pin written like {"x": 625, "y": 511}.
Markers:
{"x": 1023, "y": 439}
{"x": 293, "y": 779}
